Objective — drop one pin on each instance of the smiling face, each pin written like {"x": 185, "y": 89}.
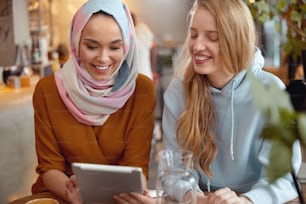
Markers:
{"x": 204, "y": 48}
{"x": 101, "y": 47}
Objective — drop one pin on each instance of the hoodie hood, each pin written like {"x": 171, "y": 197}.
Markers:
{"x": 256, "y": 67}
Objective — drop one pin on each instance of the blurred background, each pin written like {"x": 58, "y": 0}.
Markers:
{"x": 34, "y": 43}
{"x": 34, "y": 38}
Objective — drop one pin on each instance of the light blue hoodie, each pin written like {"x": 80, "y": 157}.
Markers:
{"x": 242, "y": 153}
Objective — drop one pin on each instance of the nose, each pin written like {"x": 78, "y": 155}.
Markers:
{"x": 102, "y": 56}
{"x": 199, "y": 45}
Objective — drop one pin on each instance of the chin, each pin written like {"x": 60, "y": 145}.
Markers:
{"x": 200, "y": 71}
{"x": 101, "y": 78}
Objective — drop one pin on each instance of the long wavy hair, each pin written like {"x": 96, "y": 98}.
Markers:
{"x": 237, "y": 40}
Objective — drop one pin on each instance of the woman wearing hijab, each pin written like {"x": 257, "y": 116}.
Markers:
{"x": 96, "y": 109}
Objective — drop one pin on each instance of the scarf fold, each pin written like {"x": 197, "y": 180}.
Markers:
{"x": 88, "y": 100}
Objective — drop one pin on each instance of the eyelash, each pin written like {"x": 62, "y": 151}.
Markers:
{"x": 115, "y": 48}
{"x": 95, "y": 47}
{"x": 211, "y": 39}
{"x": 91, "y": 47}
{"x": 193, "y": 36}
{"x": 214, "y": 39}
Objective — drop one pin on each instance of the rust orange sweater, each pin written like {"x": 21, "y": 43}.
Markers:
{"x": 124, "y": 139}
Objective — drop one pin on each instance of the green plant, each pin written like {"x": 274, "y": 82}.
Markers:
{"x": 293, "y": 12}
{"x": 284, "y": 125}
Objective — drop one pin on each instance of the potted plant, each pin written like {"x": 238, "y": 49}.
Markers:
{"x": 284, "y": 126}
{"x": 293, "y": 13}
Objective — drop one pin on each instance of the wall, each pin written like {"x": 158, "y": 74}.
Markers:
{"x": 62, "y": 12}
{"x": 166, "y": 18}
{"x": 6, "y": 33}
{"x": 21, "y": 22}
{"x": 14, "y": 29}
{"x": 155, "y": 13}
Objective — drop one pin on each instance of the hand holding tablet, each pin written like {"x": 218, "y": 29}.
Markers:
{"x": 99, "y": 183}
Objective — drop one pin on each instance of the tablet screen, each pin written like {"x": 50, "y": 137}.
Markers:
{"x": 99, "y": 183}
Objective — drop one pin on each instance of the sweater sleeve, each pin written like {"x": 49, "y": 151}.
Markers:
{"x": 48, "y": 151}
{"x": 283, "y": 190}
{"x": 139, "y": 137}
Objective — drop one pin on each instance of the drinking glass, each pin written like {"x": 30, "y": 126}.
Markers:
{"x": 175, "y": 184}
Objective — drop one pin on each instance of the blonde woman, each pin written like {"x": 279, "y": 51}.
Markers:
{"x": 209, "y": 110}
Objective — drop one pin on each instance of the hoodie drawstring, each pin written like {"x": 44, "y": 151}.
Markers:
{"x": 233, "y": 121}
{"x": 208, "y": 185}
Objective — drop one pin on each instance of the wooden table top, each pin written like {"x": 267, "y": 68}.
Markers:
{"x": 35, "y": 196}
{"x": 49, "y": 195}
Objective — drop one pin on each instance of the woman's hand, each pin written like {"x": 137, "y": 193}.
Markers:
{"x": 72, "y": 191}
{"x": 226, "y": 196}
{"x": 202, "y": 199}
{"x": 134, "y": 198}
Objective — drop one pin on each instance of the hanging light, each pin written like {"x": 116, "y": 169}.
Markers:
{"x": 251, "y": 1}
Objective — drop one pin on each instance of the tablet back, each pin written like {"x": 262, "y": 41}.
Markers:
{"x": 98, "y": 183}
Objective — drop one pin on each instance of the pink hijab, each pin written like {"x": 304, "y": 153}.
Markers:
{"x": 86, "y": 98}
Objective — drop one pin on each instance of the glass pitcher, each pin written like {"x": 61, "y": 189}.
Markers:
{"x": 175, "y": 184}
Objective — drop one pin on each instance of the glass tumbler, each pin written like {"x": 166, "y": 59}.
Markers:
{"x": 175, "y": 183}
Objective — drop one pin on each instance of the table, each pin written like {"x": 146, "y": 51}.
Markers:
{"x": 35, "y": 196}
{"x": 49, "y": 195}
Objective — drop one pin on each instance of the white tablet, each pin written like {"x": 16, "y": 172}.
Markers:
{"x": 99, "y": 183}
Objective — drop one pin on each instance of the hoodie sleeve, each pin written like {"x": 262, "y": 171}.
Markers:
{"x": 173, "y": 106}
{"x": 283, "y": 189}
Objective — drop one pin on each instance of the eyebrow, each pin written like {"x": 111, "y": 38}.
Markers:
{"x": 209, "y": 31}
{"x": 96, "y": 42}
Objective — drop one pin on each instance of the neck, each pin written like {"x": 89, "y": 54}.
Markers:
{"x": 219, "y": 82}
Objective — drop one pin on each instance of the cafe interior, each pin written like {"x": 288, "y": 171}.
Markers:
{"x": 34, "y": 43}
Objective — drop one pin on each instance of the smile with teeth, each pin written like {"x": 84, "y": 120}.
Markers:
{"x": 201, "y": 57}
{"x": 102, "y": 68}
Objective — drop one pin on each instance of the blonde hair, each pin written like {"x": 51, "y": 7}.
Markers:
{"x": 237, "y": 40}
